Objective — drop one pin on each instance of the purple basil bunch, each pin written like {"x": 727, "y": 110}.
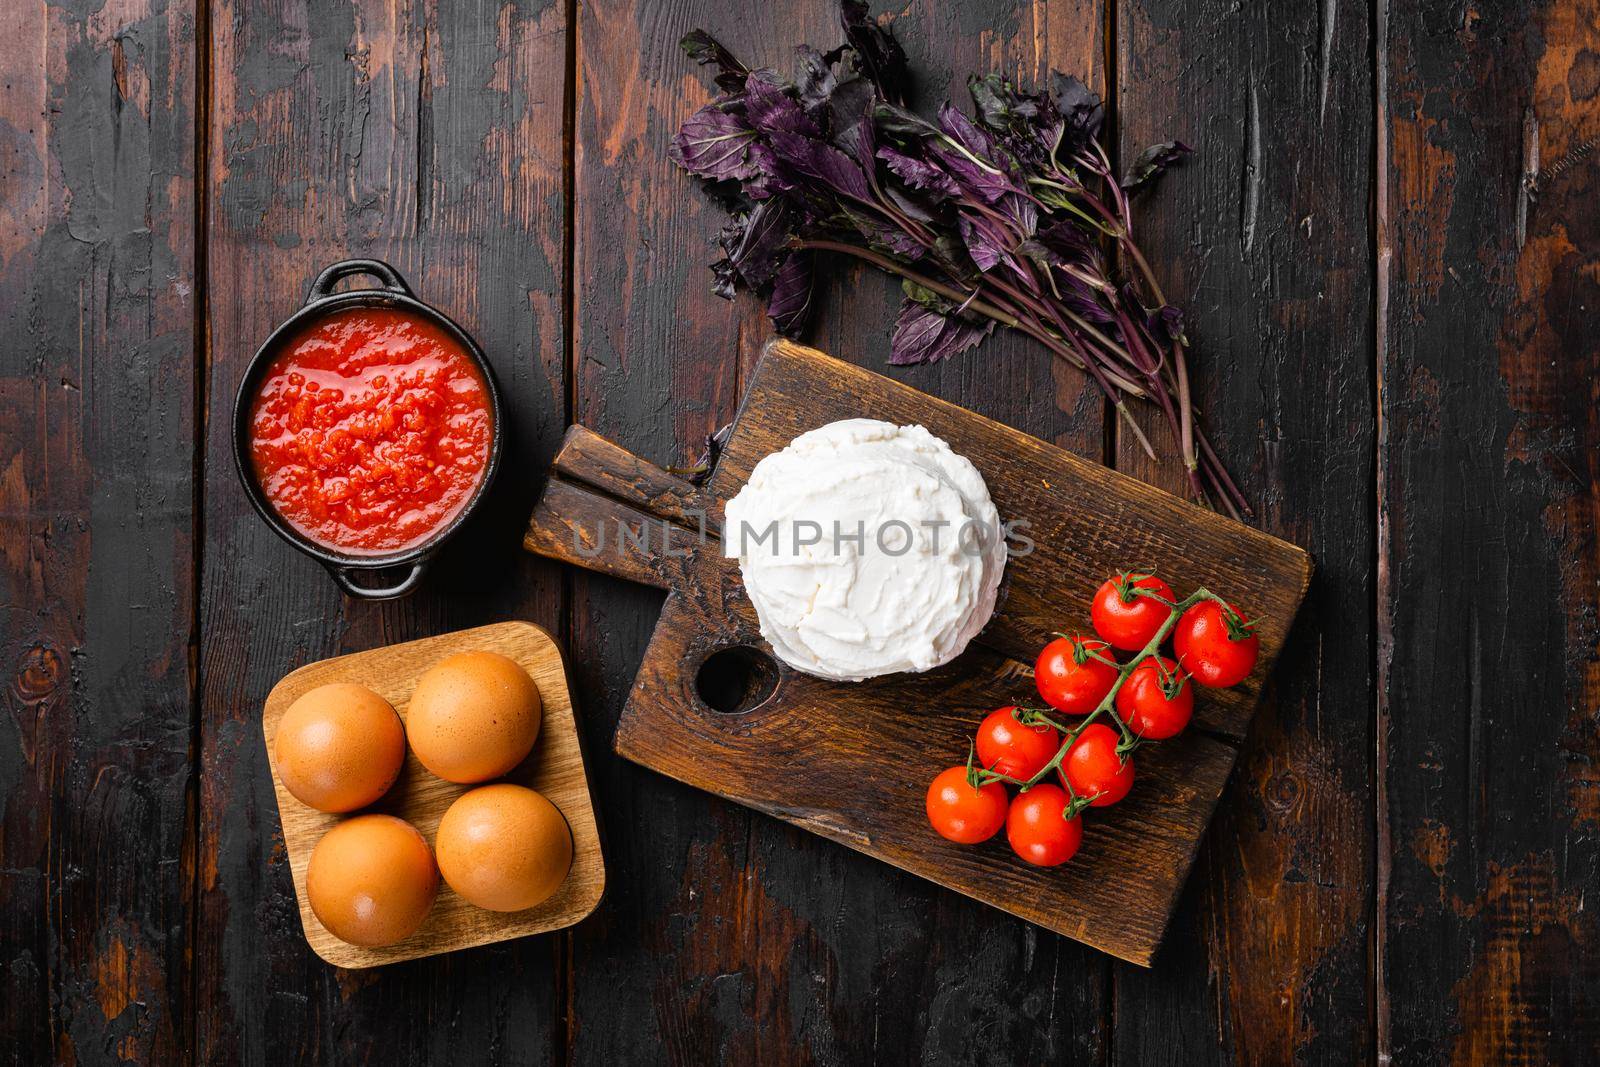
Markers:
{"x": 1012, "y": 216}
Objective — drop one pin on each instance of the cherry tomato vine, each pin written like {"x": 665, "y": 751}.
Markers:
{"x": 1150, "y": 697}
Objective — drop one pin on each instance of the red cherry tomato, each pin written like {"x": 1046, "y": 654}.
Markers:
{"x": 1038, "y": 830}
{"x": 1072, "y": 680}
{"x": 1093, "y": 767}
{"x": 1012, "y": 749}
{"x": 1125, "y": 618}
{"x": 1217, "y": 647}
{"x": 964, "y": 814}
{"x": 1144, "y": 704}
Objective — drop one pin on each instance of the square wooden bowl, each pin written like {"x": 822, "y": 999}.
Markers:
{"x": 554, "y": 768}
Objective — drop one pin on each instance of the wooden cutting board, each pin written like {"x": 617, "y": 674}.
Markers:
{"x": 852, "y": 762}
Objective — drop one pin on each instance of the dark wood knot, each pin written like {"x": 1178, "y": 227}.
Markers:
{"x": 1283, "y": 792}
{"x": 39, "y": 672}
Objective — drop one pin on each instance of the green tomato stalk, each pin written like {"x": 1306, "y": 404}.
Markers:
{"x": 1130, "y": 741}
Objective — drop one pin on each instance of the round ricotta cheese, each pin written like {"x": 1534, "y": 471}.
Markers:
{"x": 867, "y": 549}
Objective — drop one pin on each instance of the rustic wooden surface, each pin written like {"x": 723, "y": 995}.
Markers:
{"x": 555, "y": 768}
{"x": 842, "y": 760}
{"x": 1388, "y": 249}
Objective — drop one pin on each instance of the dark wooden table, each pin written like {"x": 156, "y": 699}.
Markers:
{"x": 1389, "y": 246}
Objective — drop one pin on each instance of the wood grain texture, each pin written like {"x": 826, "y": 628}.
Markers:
{"x": 1004, "y": 992}
{"x": 1489, "y": 250}
{"x": 436, "y": 136}
{"x": 428, "y": 135}
{"x": 97, "y": 527}
{"x": 555, "y": 769}
{"x": 793, "y": 942}
{"x": 609, "y": 468}
{"x": 1263, "y": 237}
{"x": 574, "y": 524}
{"x": 704, "y": 955}
{"x": 642, "y": 232}
{"x": 817, "y": 754}
{"x": 854, "y": 767}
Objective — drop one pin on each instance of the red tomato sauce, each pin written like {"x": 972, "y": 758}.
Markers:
{"x": 371, "y": 430}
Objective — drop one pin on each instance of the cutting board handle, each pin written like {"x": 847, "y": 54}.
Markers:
{"x": 607, "y": 510}
{"x": 606, "y": 466}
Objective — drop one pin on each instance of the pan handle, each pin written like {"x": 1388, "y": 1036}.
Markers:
{"x": 344, "y": 578}
{"x": 378, "y": 269}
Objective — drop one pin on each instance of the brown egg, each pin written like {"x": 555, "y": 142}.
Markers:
{"x": 339, "y": 747}
{"x": 504, "y": 847}
{"x": 473, "y": 717}
{"x": 371, "y": 880}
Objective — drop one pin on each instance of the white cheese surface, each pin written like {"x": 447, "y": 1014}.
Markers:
{"x": 909, "y": 592}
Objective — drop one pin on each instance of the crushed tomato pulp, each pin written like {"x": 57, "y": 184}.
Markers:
{"x": 371, "y": 430}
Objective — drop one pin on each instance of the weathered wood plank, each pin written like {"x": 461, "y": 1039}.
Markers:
{"x": 993, "y": 989}
{"x": 97, "y": 423}
{"x": 782, "y": 944}
{"x": 428, "y": 135}
{"x": 1489, "y": 250}
{"x": 692, "y": 945}
{"x": 1263, "y": 236}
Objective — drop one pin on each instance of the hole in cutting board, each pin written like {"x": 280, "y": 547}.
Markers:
{"x": 736, "y": 679}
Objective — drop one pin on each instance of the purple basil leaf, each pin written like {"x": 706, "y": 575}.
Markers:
{"x": 1080, "y": 108}
{"x": 851, "y": 100}
{"x": 985, "y": 242}
{"x": 950, "y": 252}
{"x": 1083, "y": 300}
{"x": 823, "y": 162}
{"x": 712, "y": 144}
{"x": 864, "y": 146}
{"x": 724, "y": 279}
{"x": 978, "y": 180}
{"x": 1037, "y": 147}
{"x": 1038, "y": 254}
{"x": 954, "y": 122}
{"x": 918, "y": 173}
{"x": 1152, "y": 161}
{"x": 877, "y": 53}
{"x": 1032, "y": 141}
{"x": 922, "y": 335}
{"x": 1166, "y": 323}
{"x": 770, "y": 176}
{"x": 706, "y": 50}
{"x": 1020, "y": 210}
{"x": 756, "y": 244}
{"x": 882, "y": 234}
{"x": 814, "y": 79}
{"x": 1068, "y": 242}
{"x": 859, "y": 142}
{"x": 767, "y": 106}
{"x": 790, "y": 302}
{"x": 907, "y": 204}
{"x": 903, "y": 124}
